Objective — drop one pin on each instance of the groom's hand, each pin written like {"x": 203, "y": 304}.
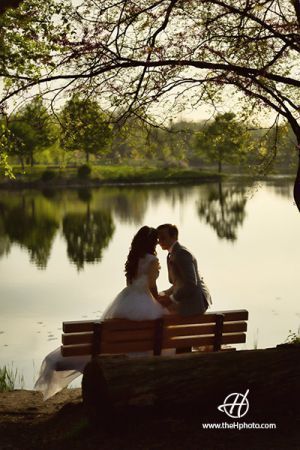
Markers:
{"x": 164, "y": 300}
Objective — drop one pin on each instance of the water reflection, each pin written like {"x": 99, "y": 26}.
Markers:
{"x": 282, "y": 188}
{"x": 129, "y": 205}
{"x": 4, "y": 243}
{"x": 224, "y": 209}
{"x": 34, "y": 303}
{"x": 87, "y": 217}
{"x": 32, "y": 225}
{"x": 87, "y": 234}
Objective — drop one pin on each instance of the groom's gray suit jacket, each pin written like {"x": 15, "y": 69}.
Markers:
{"x": 188, "y": 289}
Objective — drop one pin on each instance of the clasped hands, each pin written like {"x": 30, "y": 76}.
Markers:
{"x": 164, "y": 300}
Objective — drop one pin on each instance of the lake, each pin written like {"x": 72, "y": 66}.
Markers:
{"x": 62, "y": 256}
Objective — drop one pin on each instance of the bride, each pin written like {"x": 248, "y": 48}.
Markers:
{"x": 136, "y": 302}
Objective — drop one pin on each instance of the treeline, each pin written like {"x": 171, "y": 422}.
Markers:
{"x": 82, "y": 132}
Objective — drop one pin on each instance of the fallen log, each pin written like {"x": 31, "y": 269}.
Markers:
{"x": 197, "y": 381}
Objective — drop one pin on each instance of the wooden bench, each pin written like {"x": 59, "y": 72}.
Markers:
{"x": 212, "y": 330}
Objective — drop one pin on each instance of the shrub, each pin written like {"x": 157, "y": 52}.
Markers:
{"x": 293, "y": 338}
{"x": 84, "y": 172}
{"x": 48, "y": 175}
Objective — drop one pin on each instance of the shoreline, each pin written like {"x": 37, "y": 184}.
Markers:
{"x": 135, "y": 180}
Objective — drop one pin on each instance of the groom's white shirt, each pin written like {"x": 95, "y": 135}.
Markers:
{"x": 172, "y": 246}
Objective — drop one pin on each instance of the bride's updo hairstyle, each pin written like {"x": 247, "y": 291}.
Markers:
{"x": 143, "y": 242}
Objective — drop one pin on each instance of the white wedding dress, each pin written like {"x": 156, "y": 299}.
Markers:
{"x": 134, "y": 302}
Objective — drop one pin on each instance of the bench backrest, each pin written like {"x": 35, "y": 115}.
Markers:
{"x": 119, "y": 336}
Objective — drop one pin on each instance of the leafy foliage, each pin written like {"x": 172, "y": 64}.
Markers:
{"x": 5, "y": 147}
{"x": 31, "y": 130}
{"x": 136, "y": 53}
{"x": 85, "y": 127}
{"x": 148, "y": 59}
{"x": 30, "y": 40}
{"x": 223, "y": 140}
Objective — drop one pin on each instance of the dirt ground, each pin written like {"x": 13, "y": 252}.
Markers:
{"x": 26, "y": 422}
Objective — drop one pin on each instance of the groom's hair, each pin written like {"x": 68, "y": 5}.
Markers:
{"x": 172, "y": 229}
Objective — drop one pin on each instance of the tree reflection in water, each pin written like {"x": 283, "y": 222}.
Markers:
{"x": 5, "y": 244}
{"x": 224, "y": 209}
{"x": 129, "y": 205}
{"x": 284, "y": 190}
{"x": 30, "y": 226}
{"x": 87, "y": 234}
{"x": 31, "y": 219}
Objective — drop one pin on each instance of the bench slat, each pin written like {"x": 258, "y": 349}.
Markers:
{"x": 114, "y": 324}
{"x": 198, "y": 330}
{"x": 119, "y": 336}
{"x": 79, "y": 326}
{"x": 229, "y": 316}
{"x": 109, "y": 336}
{"x": 125, "y": 324}
{"x": 137, "y": 335}
{"x": 76, "y": 350}
{"x": 108, "y": 347}
{"x": 174, "y": 319}
{"x": 128, "y": 347}
{"x": 198, "y": 341}
{"x": 77, "y": 338}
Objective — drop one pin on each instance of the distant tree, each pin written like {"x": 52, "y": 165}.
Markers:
{"x": 223, "y": 140}
{"x": 85, "y": 127}
{"x": 128, "y": 139}
{"x": 31, "y": 131}
{"x": 167, "y": 145}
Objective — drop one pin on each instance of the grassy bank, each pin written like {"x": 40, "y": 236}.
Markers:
{"x": 54, "y": 176}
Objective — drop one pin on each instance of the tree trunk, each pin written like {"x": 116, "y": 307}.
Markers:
{"x": 220, "y": 159}
{"x": 87, "y": 157}
{"x": 21, "y": 159}
{"x": 31, "y": 159}
{"x": 200, "y": 380}
{"x": 219, "y": 166}
{"x": 297, "y": 181}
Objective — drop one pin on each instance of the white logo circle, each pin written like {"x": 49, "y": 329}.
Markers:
{"x": 235, "y": 405}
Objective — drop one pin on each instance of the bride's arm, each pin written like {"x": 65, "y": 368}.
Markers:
{"x": 153, "y": 273}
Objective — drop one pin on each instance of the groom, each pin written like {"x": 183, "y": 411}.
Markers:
{"x": 188, "y": 294}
